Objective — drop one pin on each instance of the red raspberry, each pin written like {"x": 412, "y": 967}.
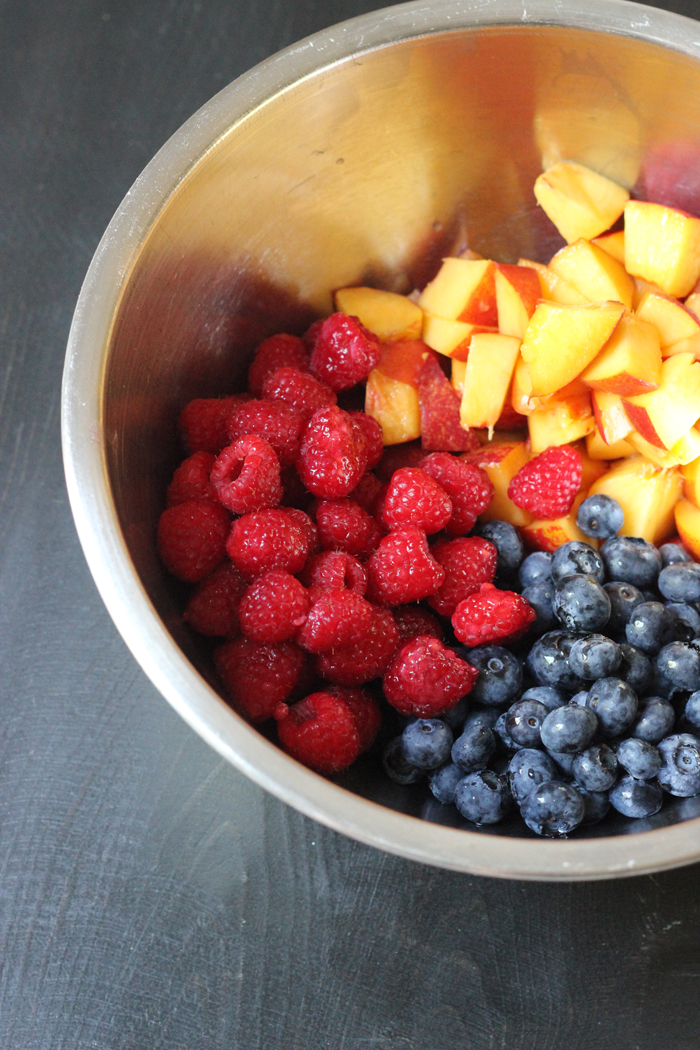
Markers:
{"x": 300, "y": 518}
{"x": 441, "y": 426}
{"x": 293, "y": 492}
{"x": 402, "y": 568}
{"x": 425, "y": 678}
{"x": 397, "y": 456}
{"x": 259, "y": 677}
{"x": 468, "y": 562}
{"x": 547, "y": 485}
{"x": 344, "y": 526}
{"x": 266, "y": 540}
{"x": 246, "y": 476}
{"x": 414, "y": 498}
{"x": 374, "y": 440}
{"x": 320, "y": 731}
{"x": 311, "y": 334}
{"x": 274, "y": 607}
{"x": 338, "y": 619}
{"x": 335, "y": 569}
{"x": 492, "y": 615}
{"x": 379, "y": 507}
{"x": 411, "y": 621}
{"x": 330, "y": 462}
{"x": 299, "y": 389}
{"x": 365, "y": 710}
{"x": 366, "y": 491}
{"x": 203, "y": 423}
{"x": 279, "y": 351}
{"x": 191, "y": 480}
{"x": 276, "y": 421}
{"x": 213, "y": 607}
{"x": 344, "y": 352}
{"x": 192, "y": 538}
{"x": 468, "y": 486}
{"x": 366, "y": 660}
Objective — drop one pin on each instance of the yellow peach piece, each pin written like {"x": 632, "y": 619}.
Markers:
{"x": 688, "y": 524}
{"x": 579, "y": 201}
{"x": 647, "y": 495}
{"x": 560, "y": 423}
{"x": 665, "y": 415}
{"x": 463, "y": 290}
{"x": 487, "y": 379}
{"x": 548, "y": 535}
{"x": 691, "y": 345}
{"x": 671, "y": 318}
{"x": 554, "y": 287}
{"x": 451, "y": 338}
{"x": 630, "y": 361}
{"x": 597, "y": 449}
{"x": 502, "y": 461}
{"x": 684, "y": 451}
{"x": 662, "y": 245}
{"x": 613, "y": 244}
{"x": 395, "y": 406}
{"x": 390, "y": 316}
{"x": 560, "y": 341}
{"x": 691, "y": 481}
{"x": 692, "y": 303}
{"x": 517, "y": 292}
{"x": 594, "y": 272}
{"x": 458, "y": 370}
{"x": 610, "y": 417}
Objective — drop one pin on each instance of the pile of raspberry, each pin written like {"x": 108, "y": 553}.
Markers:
{"x": 334, "y": 576}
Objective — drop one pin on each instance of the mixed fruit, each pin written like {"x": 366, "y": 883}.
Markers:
{"x": 364, "y": 574}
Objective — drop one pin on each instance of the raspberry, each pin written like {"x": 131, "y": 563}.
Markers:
{"x": 302, "y": 519}
{"x": 365, "y": 710}
{"x": 299, "y": 389}
{"x": 366, "y": 660}
{"x": 213, "y": 607}
{"x": 441, "y": 426}
{"x": 344, "y": 526}
{"x": 259, "y": 677}
{"x": 266, "y": 540}
{"x": 491, "y": 616}
{"x": 468, "y": 562}
{"x": 395, "y": 457}
{"x": 276, "y": 421}
{"x": 366, "y": 491}
{"x": 203, "y": 423}
{"x": 338, "y": 619}
{"x": 335, "y": 569}
{"x": 311, "y": 334}
{"x": 320, "y": 731}
{"x": 372, "y": 433}
{"x": 467, "y": 485}
{"x": 191, "y": 480}
{"x": 425, "y": 678}
{"x": 344, "y": 352}
{"x": 293, "y": 492}
{"x": 192, "y": 538}
{"x": 330, "y": 461}
{"x": 273, "y": 608}
{"x": 402, "y": 568}
{"x": 411, "y": 621}
{"x": 414, "y": 498}
{"x": 246, "y": 476}
{"x": 547, "y": 485}
{"x": 279, "y": 351}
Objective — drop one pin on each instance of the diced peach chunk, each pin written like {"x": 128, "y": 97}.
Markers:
{"x": 451, "y": 338}
{"x": 613, "y": 244}
{"x": 502, "y": 461}
{"x": 395, "y": 406}
{"x": 596, "y": 274}
{"x": 610, "y": 417}
{"x": 517, "y": 291}
{"x": 390, "y": 316}
{"x": 579, "y": 201}
{"x": 490, "y": 365}
{"x": 548, "y": 535}
{"x": 647, "y": 495}
{"x": 691, "y": 481}
{"x": 554, "y": 287}
{"x": 662, "y": 245}
{"x": 561, "y": 341}
{"x": 561, "y": 422}
{"x": 665, "y": 415}
{"x": 671, "y": 318}
{"x": 597, "y": 449}
{"x": 630, "y": 361}
{"x": 687, "y": 518}
{"x": 684, "y": 451}
{"x": 463, "y": 290}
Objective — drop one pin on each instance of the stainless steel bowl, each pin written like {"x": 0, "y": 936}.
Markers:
{"x": 358, "y": 155}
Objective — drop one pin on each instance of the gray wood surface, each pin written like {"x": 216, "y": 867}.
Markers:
{"x": 151, "y": 898}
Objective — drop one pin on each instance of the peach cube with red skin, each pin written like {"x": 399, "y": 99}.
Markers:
{"x": 662, "y": 245}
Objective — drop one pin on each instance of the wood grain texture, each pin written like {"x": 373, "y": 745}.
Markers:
{"x": 151, "y": 898}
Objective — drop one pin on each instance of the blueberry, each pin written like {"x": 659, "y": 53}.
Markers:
{"x": 563, "y": 761}
{"x": 632, "y": 559}
{"x": 673, "y": 553}
{"x": 624, "y": 599}
{"x": 692, "y": 710}
{"x": 501, "y": 731}
{"x": 524, "y": 720}
{"x": 681, "y": 582}
{"x": 600, "y": 516}
{"x": 551, "y": 698}
{"x": 579, "y": 698}
{"x": 654, "y": 721}
{"x": 483, "y": 797}
{"x": 596, "y": 768}
{"x": 456, "y": 715}
{"x": 553, "y": 809}
{"x": 481, "y": 716}
{"x": 535, "y": 568}
{"x": 650, "y": 627}
{"x": 506, "y": 539}
{"x": 580, "y": 603}
{"x": 636, "y": 798}
{"x": 397, "y": 767}
{"x": 687, "y": 626}
{"x": 528, "y": 769}
{"x": 577, "y": 558}
{"x": 442, "y": 782}
{"x": 596, "y": 805}
{"x": 473, "y": 749}
{"x": 569, "y": 729}
{"x": 663, "y": 686}
{"x": 635, "y": 669}
{"x": 680, "y": 770}
{"x": 615, "y": 704}
{"x": 639, "y": 758}
{"x": 500, "y": 678}
{"x": 539, "y": 595}
{"x": 595, "y": 657}
{"x": 426, "y": 743}
{"x": 548, "y": 661}
{"x": 680, "y": 663}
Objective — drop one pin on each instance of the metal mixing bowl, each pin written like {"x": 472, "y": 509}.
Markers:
{"x": 356, "y": 156}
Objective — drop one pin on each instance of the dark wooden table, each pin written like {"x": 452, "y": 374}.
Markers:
{"x": 151, "y": 898}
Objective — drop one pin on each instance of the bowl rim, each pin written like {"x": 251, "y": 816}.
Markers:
{"x": 95, "y": 514}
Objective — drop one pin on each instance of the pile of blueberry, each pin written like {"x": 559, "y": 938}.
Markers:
{"x": 598, "y": 706}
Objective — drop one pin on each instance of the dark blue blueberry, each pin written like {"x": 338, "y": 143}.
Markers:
{"x": 569, "y": 729}
{"x": 427, "y": 743}
{"x": 501, "y": 731}
{"x": 506, "y": 539}
{"x": 443, "y": 781}
{"x": 600, "y": 516}
{"x": 553, "y": 809}
{"x": 563, "y": 761}
{"x": 539, "y": 595}
{"x": 551, "y": 698}
{"x": 624, "y": 599}
{"x": 579, "y": 698}
{"x": 681, "y": 582}
{"x": 483, "y": 797}
{"x": 636, "y": 798}
{"x": 548, "y": 661}
{"x": 397, "y": 767}
{"x": 680, "y": 769}
{"x": 680, "y": 663}
{"x": 692, "y": 710}
{"x": 595, "y": 657}
{"x": 663, "y": 686}
{"x": 473, "y": 748}
{"x": 650, "y": 595}
{"x": 455, "y": 716}
{"x": 655, "y": 720}
{"x": 687, "y": 625}
{"x": 615, "y": 704}
{"x": 528, "y": 769}
{"x": 632, "y": 559}
{"x": 577, "y": 558}
{"x": 524, "y": 720}
{"x": 596, "y": 805}
{"x": 535, "y": 568}
{"x": 635, "y": 669}
{"x": 639, "y": 758}
{"x": 580, "y": 603}
{"x": 481, "y": 716}
{"x": 596, "y": 768}
{"x": 650, "y": 627}
{"x": 500, "y": 678}
{"x": 673, "y": 554}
